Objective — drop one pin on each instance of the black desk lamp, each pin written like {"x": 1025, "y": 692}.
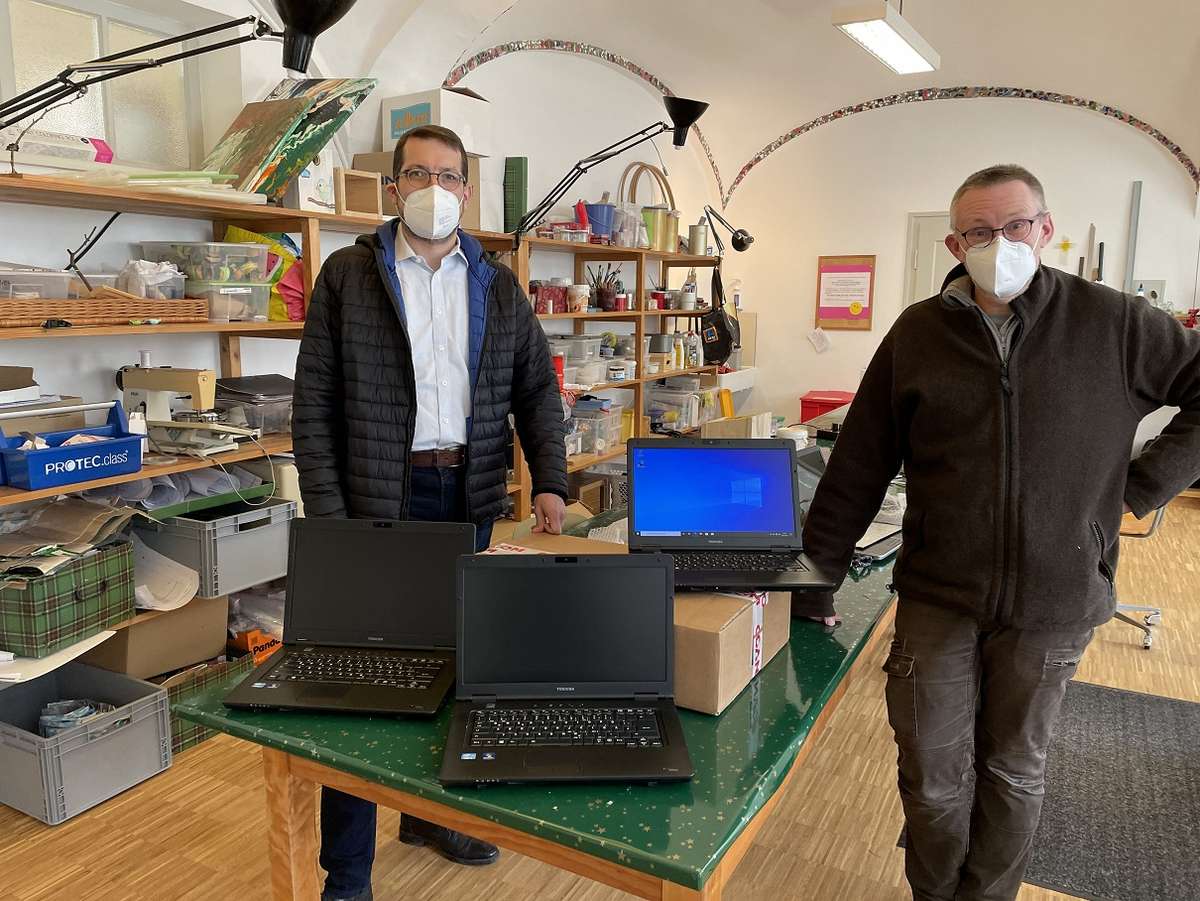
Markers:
{"x": 741, "y": 238}
{"x": 302, "y": 21}
{"x": 683, "y": 115}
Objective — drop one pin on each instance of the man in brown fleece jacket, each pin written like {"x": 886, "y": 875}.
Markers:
{"x": 1011, "y": 401}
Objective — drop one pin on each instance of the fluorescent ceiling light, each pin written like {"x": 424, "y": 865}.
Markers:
{"x": 879, "y": 29}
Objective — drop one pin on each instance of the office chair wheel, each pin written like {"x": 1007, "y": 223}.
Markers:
{"x": 1147, "y": 642}
{"x": 1153, "y": 619}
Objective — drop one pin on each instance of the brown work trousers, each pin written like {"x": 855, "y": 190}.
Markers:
{"x": 973, "y": 710}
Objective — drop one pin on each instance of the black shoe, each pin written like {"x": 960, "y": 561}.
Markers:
{"x": 453, "y": 846}
{"x": 364, "y": 895}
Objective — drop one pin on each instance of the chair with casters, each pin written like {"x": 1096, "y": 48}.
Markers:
{"x": 1151, "y": 616}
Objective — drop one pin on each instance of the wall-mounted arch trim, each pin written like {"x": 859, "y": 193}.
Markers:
{"x": 580, "y": 49}
{"x": 919, "y": 95}
{"x": 922, "y": 95}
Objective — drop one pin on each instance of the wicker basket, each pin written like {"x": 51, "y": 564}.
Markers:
{"x": 100, "y": 311}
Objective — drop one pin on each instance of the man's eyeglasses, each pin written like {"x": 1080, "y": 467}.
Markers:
{"x": 1017, "y": 230}
{"x": 419, "y": 177}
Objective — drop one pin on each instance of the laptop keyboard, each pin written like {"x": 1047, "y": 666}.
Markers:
{"x": 565, "y": 725}
{"x": 738, "y": 561}
{"x": 399, "y": 670}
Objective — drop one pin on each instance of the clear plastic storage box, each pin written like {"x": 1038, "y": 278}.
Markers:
{"x": 53, "y": 779}
{"x": 18, "y": 284}
{"x": 271, "y": 418}
{"x": 234, "y": 301}
{"x": 601, "y": 431}
{"x": 211, "y": 261}
{"x": 582, "y": 348}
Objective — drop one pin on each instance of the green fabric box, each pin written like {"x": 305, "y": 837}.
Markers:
{"x": 41, "y": 615}
{"x": 190, "y": 683}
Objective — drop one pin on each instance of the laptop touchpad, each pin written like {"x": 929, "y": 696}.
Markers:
{"x": 324, "y": 692}
{"x": 536, "y": 767}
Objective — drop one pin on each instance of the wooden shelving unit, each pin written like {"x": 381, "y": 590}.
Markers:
{"x": 583, "y": 461}
{"x": 235, "y": 329}
{"x": 272, "y": 444}
{"x": 46, "y": 191}
{"x": 643, "y": 260}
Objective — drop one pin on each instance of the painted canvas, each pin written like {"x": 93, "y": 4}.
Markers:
{"x": 253, "y": 141}
{"x": 333, "y": 100}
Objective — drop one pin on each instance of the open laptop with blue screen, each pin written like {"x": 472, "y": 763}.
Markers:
{"x": 728, "y": 511}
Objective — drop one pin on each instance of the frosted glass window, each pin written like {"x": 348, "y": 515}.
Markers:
{"x": 45, "y": 40}
{"x": 149, "y": 119}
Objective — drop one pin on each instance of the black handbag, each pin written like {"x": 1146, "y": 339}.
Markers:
{"x": 719, "y": 333}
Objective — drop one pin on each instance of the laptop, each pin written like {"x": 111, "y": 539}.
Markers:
{"x": 565, "y": 671}
{"x": 369, "y": 622}
{"x": 879, "y": 543}
{"x": 728, "y": 510}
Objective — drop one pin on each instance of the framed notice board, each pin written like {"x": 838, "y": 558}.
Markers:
{"x": 845, "y": 292}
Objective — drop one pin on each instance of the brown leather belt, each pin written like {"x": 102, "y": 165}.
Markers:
{"x": 443, "y": 458}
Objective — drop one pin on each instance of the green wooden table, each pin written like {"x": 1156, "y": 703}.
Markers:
{"x": 671, "y": 841}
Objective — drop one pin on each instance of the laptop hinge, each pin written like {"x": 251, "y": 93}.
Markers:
{"x": 483, "y": 699}
{"x": 647, "y": 696}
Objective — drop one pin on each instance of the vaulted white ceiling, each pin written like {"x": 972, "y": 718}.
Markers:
{"x": 769, "y": 65}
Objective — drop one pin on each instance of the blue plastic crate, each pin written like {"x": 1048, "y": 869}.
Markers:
{"x": 56, "y": 466}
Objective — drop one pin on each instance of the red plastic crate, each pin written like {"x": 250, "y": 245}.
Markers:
{"x": 818, "y": 403}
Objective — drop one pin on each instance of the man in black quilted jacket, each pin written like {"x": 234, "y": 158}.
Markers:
{"x": 416, "y": 348}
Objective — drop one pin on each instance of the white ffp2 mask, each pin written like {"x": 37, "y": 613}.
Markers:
{"x": 432, "y": 212}
{"x": 1003, "y": 269}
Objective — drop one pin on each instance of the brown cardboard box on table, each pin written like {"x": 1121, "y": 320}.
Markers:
{"x": 156, "y": 641}
{"x": 721, "y": 640}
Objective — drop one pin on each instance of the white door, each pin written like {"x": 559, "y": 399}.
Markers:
{"x": 928, "y": 258}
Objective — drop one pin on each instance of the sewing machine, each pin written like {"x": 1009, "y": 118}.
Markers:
{"x": 196, "y": 428}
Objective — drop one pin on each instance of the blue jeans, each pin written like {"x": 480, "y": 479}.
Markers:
{"x": 348, "y": 822}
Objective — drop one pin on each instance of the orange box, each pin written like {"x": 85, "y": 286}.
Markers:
{"x": 254, "y": 641}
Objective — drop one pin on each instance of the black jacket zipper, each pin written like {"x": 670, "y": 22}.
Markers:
{"x": 1006, "y": 486}
{"x": 1104, "y": 570}
{"x": 382, "y": 268}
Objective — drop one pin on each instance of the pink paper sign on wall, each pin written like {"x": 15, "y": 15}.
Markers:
{"x": 845, "y": 292}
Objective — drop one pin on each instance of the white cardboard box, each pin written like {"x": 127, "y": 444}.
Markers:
{"x": 461, "y": 110}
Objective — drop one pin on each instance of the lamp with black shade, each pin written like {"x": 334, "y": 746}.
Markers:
{"x": 683, "y": 114}
{"x": 302, "y": 21}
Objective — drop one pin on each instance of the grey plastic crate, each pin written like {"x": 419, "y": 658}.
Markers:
{"x": 232, "y": 547}
{"x": 53, "y": 779}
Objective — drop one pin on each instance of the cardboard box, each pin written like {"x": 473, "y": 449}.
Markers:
{"x": 156, "y": 642}
{"x": 51, "y": 422}
{"x": 255, "y": 642}
{"x": 459, "y": 109}
{"x": 17, "y": 385}
{"x": 382, "y": 163}
{"x": 721, "y": 640}
{"x": 752, "y": 425}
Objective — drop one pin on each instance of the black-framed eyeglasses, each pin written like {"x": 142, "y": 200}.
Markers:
{"x": 1017, "y": 230}
{"x": 420, "y": 177}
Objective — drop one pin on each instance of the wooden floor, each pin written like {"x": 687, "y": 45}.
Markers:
{"x": 197, "y": 831}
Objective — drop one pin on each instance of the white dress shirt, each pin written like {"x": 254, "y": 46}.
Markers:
{"x": 437, "y": 310}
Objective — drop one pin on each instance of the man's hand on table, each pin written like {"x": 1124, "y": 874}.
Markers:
{"x": 549, "y": 511}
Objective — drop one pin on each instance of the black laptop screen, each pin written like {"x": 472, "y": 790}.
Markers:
{"x": 565, "y": 626}
{"x": 357, "y": 582}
